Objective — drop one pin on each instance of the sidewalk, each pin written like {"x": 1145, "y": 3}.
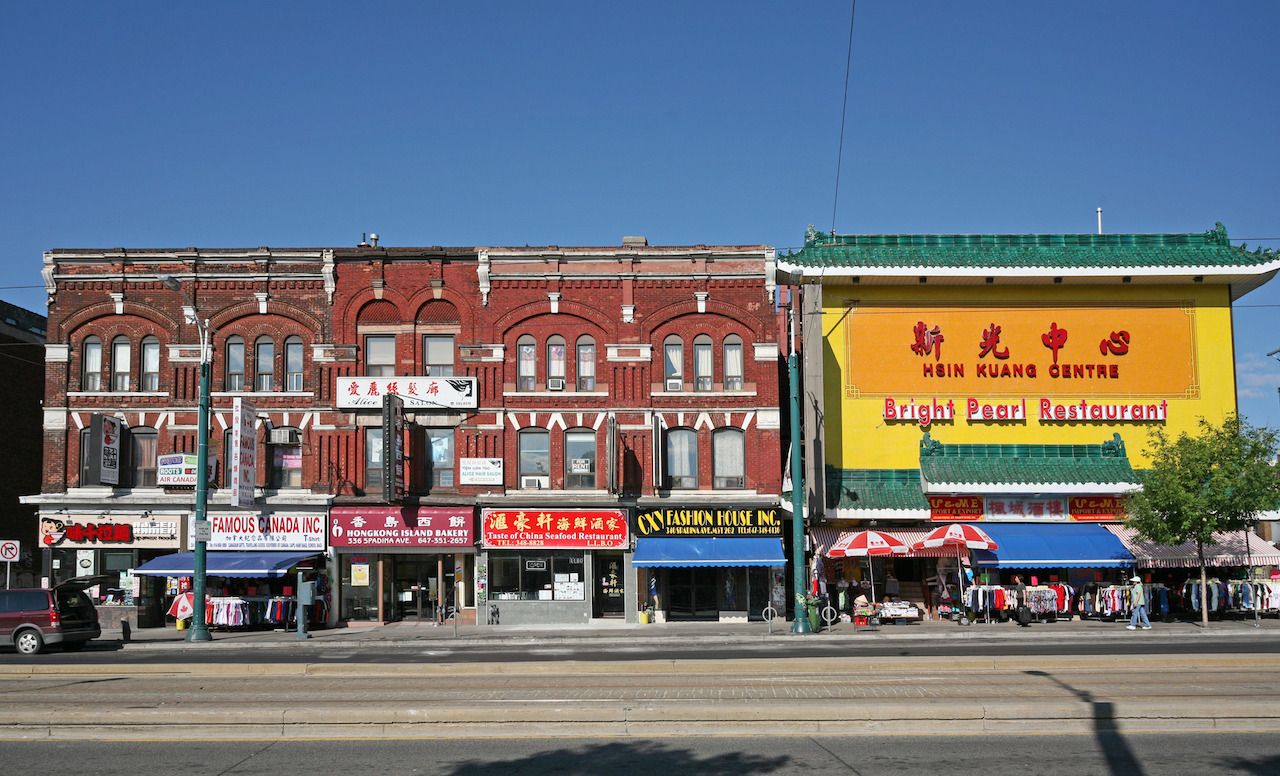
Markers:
{"x": 613, "y": 633}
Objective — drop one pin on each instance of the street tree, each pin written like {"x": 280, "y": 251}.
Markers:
{"x": 1217, "y": 480}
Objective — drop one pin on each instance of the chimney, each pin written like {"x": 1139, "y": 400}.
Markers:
{"x": 634, "y": 241}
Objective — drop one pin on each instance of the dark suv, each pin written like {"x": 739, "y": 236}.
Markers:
{"x": 33, "y": 617}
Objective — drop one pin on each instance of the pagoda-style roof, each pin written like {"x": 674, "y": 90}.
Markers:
{"x": 976, "y": 468}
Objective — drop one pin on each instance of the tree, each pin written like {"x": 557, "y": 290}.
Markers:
{"x": 1196, "y": 486}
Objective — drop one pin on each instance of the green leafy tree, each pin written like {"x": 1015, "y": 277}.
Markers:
{"x": 1216, "y": 481}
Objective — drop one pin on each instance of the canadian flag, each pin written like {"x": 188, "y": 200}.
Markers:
{"x": 183, "y": 606}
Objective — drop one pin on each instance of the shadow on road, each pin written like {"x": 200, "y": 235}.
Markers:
{"x": 1120, "y": 758}
{"x": 1265, "y": 765}
{"x": 620, "y": 757}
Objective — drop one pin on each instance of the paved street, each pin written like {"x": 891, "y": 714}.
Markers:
{"x": 1080, "y": 755}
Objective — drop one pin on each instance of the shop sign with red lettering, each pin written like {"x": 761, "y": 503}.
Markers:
{"x": 570, "y": 529}
{"x": 1026, "y": 509}
{"x": 385, "y": 527}
{"x": 955, "y": 507}
{"x": 109, "y": 529}
{"x": 1097, "y": 507}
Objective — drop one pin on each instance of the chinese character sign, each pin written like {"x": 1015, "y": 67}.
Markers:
{"x": 243, "y": 459}
{"x": 418, "y": 393}
{"x": 381, "y": 526}
{"x": 554, "y": 528}
{"x": 1026, "y": 509}
{"x": 109, "y": 464}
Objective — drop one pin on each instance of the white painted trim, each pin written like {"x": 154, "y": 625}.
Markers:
{"x": 1051, "y": 488}
{"x": 56, "y": 353}
{"x": 265, "y": 394}
{"x": 746, "y": 421}
{"x": 549, "y": 394}
{"x": 673, "y": 394}
{"x": 769, "y": 419}
{"x": 810, "y": 272}
{"x": 765, "y": 351}
{"x": 87, "y": 394}
{"x": 611, "y": 352}
{"x": 55, "y": 419}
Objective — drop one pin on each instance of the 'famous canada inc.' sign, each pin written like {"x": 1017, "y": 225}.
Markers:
{"x": 270, "y": 531}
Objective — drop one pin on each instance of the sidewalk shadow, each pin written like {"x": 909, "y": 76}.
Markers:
{"x": 1265, "y": 765}
{"x": 1120, "y": 758}
{"x": 621, "y": 757}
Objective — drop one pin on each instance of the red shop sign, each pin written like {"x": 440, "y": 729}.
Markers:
{"x": 554, "y": 528}
{"x": 1097, "y": 507}
{"x": 378, "y": 527}
{"x": 955, "y": 507}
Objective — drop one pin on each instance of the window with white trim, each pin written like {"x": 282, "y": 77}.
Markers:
{"x": 293, "y": 364}
{"x": 233, "y": 379}
{"x": 149, "y": 365}
{"x": 121, "y": 353}
{"x": 733, "y": 375}
{"x": 437, "y": 355}
{"x": 264, "y": 364}
{"x": 526, "y": 363}
{"x": 682, "y": 458}
{"x": 380, "y": 355}
{"x": 703, "y": 376}
{"x": 728, "y": 458}
{"x": 580, "y": 459}
{"x": 586, "y": 363}
{"x": 91, "y": 364}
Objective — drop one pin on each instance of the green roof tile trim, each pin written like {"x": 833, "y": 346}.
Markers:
{"x": 1008, "y": 251}
{"x": 875, "y": 489}
{"x": 1026, "y": 464}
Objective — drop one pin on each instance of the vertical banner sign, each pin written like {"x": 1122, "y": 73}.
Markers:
{"x": 244, "y": 453}
{"x": 109, "y": 457}
{"x": 392, "y": 448}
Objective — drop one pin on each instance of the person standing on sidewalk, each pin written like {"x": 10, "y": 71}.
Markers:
{"x": 1020, "y": 601}
{"x": 1138, "y": 600}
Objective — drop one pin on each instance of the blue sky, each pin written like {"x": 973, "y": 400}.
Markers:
{"x": 245, "y": 124}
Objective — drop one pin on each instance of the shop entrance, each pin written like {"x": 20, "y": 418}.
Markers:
{"x": 693, "y": 594}
{"x": 423, "y": 586}
{"x": 609, "y": 599}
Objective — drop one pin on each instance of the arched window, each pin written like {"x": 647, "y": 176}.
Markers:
{"x": 535, "y": 458}
{"x": 233, "y": 378}
{"x": 728, "y": 458}
{"x": 142, "y": 456}
{"x": 586, "y": 364}
{"x": 555, "y": 363}
{"x": 682, "y": 458}
{"x": 702, "y": 371}
{"x": 91, "y": 364}
{"x": 579, "y": 458}
{"x": 673, "y": 363}
{"x": 293, "y": 364}
{"x": 120, "y": 368}
{"x": 526, "y": 363}
{"x": 264, "y": 364}
{"x": 149, "y": 371}
{"x": 733, "y": 380}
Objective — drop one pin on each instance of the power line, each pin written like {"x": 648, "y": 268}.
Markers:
{"x": 844, "y": 113}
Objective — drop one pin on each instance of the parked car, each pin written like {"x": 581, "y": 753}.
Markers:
{"x": 31, "y": 618}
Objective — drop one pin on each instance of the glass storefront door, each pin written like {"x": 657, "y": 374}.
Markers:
{"x": 423, "y": 586}
{"x": 610, "y": 589}
{"x": 359, "y": 585}
{"x": 693, "y": 593}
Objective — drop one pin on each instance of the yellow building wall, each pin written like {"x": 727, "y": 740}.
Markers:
{"x": 1179, "y": 356}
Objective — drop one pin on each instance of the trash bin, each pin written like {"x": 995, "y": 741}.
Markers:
{"x": 815, "y": 618}
{"x": 644, "y": 617}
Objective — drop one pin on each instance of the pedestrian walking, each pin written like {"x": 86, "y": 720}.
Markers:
{"x": 1020, "y": 600}
{"x": 1138, "y": 600}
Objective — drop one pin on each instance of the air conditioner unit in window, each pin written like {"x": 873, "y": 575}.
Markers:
{"x": 674, "y": 383}
{"x": 283, "y": 436}
{"x": 540, "y": 483}
{"x": 555, "y": 383}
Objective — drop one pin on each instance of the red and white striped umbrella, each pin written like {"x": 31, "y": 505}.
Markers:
{"x": 959, "y": 535}
{"x": 864, "y": 543}
{"x": 183, "y": 606}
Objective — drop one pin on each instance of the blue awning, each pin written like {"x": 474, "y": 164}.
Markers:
{"x": 253, "y": 565}
{"x": 1053, "y": 546}
{"x": 713, "y": 551}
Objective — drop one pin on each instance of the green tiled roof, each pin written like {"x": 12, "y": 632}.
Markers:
{"x": 1026, "y": 464}
{"x": 875, "y": 489}
{"x": 1010, "y": 251}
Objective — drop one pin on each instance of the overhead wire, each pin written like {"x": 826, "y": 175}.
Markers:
{"x": 844, "y": 113}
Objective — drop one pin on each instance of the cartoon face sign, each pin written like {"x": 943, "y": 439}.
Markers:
{"x": 51, "y": 531}
{"x": 109, "y": 432}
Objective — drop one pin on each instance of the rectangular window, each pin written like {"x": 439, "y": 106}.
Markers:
{"x": 555, "y": 361}
{"x": 587, "y": 367}
{"x": 535, "y": 456}
{"x": 580, "y": 459}
{"x": 526, "y": 366}
{"x": 235, "y": 365}
{"x": 293, "y": 366}
{"x": 729, "y": 468}
{"x": 380, "y": 355}
{"x": 151, "y": 366}
{"x": 286, "y": 466}
{"x": 437, "y": 355}
{"x": 536, "y": 576}
{"x": 733, "y": 366}
{"x": 264, "y": 363}
{"x": 702, "y": 366}
{"x": 682, "y": 458}
{"x": 120, "y": 365}
{"x": 92, "y": 367}
{"x": 673, "y": 361}
{"x": 440, "y": 458}
{"x": 373, "y": 460}
{"x": 143, "y": 457}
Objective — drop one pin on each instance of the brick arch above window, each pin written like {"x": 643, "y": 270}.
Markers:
{"x": 69, "y": 327}
{"x": 310, "y": 324}
{"x": 658, "y": 320}
{"x": 438, "y": 312}
{"x": 379, "y": 311}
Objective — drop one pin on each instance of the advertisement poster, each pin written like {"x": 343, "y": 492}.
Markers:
{"x": 109, "y": 464}
{"x": 243, "y": 458}
{"x": 480, "y": 471}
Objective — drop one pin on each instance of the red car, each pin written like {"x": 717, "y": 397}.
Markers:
{"x": 30, "y": 618}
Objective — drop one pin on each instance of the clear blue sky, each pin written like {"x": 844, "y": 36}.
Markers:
{"x": 244, "y": 124}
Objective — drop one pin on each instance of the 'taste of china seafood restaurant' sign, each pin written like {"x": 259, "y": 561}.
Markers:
{"x": 712, "y": 521}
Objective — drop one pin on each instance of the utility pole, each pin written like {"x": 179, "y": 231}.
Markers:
{"x": 800, "y": 625}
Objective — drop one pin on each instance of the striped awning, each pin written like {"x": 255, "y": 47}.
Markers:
{"x": 824, "y": 537}
{"x": 1227, "y": 549}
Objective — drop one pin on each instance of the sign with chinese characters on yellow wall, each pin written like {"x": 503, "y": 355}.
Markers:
{"x": 1022, "y": 350}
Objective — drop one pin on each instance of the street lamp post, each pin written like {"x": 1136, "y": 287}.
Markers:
{"x": 199, "y": 628}
{"x": 800, "y": 624}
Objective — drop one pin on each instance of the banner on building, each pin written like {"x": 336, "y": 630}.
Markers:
{"x": 269, "y": 531}
{"x": 179, "y": 469}
{"x": 417, "y": 393}
{"x": 107, "y": 530}
{"x": 948, "y": 508}
{"x": 243, "y": 459}
{"x": 392, "y": 448}
{"x": 1098, "y": 508}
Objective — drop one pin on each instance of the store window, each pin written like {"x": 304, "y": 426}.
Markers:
{"x": 440, "y": 458}
{"x": 673, "y": 363}
{"x": 702, "y": 371}
{"x": 733, "y": 380}
{"x": 286, "y": 458}
{"x": 682, "y": 458}
{"x": 120, "y": 368}
{"x": 437, "y": 355}
{"x": 580, "y": 459}
{"x": 150, "y": 365}
{"x": 293, "y": 364}
{"x": 142, "y": 456}
{"x": 555, "y": 363}
{"x": 535, "y": 459}
{"x": 380, "y": 355}
{"x": 234, "y": 378}
{"x": 536, "y": 576}
{"x": 91, "y": 364}
{"x": 373, "y": 460}
{"x": 526, "y": 363}
{"x": 728, "y": 462}
{"x": 264, "y": 364}
{"x": 586, "y": 364}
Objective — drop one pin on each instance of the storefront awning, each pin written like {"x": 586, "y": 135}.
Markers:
{"x": 1053, "y": 546}
{"x": 1227, "y": 549}
{"x": 824, "y": 537}
{"x": 671, "y": 553}
{"x": 253, "y": 565}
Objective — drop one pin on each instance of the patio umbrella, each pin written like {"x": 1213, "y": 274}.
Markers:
{"x": 868, "y": 544}
{"x": 959, "y": 535}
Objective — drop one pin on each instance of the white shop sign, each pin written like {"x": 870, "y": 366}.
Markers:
{"x": 480, "y": 471}
{"x": 270, "y": 531}
{"x": 418, "y": 393}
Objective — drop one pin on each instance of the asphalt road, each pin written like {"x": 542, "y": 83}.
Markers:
{"x": 442, "y": 651}
{"x": 1078, "y": 755}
